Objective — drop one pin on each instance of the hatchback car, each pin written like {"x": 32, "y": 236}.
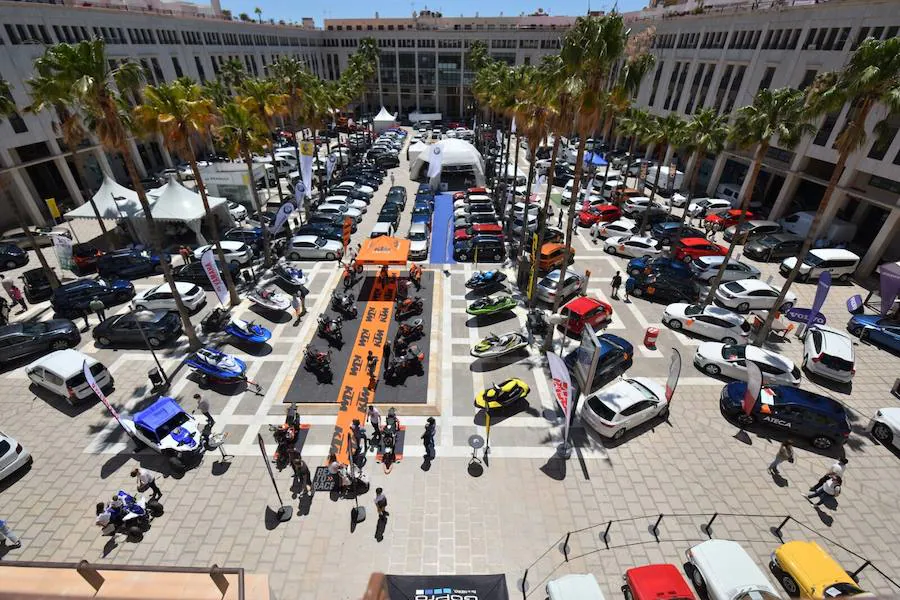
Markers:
{"x": 548, "y": 286}
{"x": 619, "y": 227}
{"x": 656, "y": 582}
{"x": 24, "y": 338}
{"x": 615, "y": 357}
{"x": 643, "y": 265}
{"x": 160, "y": 297}
{"x": 707, "y": 267}
{"x": 86, "y": 257}
{"x": 624, "y": 405}
{"x": 790, "y": 410}
{"x": 155, "y": 328}
{"x": 339, "y": 211}
{"x": 317, "y": 248}
{"x": 43, "y": 236}
{"x": 638, "y": 205}
{"x": 551, "y": 256}
{"x": 77, "y": 295}
{"x": 702, "y": 207}
{"x": 829, "y": 353}
{"x": 464, "y": 233}
{"x": 344, "y": 200}
{"x": 885, "y": 426}
{"x": 687, "y": 249}
{"x": 128, "y": 264}
{"x": 751, "y": 230}
{"x": 36, "y": 285}
{"x": 62, "y": 372}
{"x": 668, "y": 232}
{"x": 482, "y": 247}
{"x": 748, "y": 294}
{"x": 707, "y": 321}
{"x": 805, "y": 569}
{"x": 329, "y": 232}
{"x": 418, "y": 241}
{"x": 773, "y": 247}
{"x": 195, "y": 273}
{"x": 632, "y": 245}
{"x": 11, "y": 256}
{"x": 727, "y": 218}
{"x": 585, "y": 310}
{"x": 876, "y": 330}
{"x": 236, "y": 253}
{"x": 730, "y": 360}
{"x": 12, "y": 456}
{"x": 471, "y": 209}
{"x": 599, "y": 213}
{"x": 662, "y": 286}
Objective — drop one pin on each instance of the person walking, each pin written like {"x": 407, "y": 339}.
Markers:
{"x": 146, "y": 479}
{"x": 297, "y": 305}
{"x": 7, "y": 285}
{"x": 386, "y": 351}
{"x": 375, "y": 421}
{"x": 98, "y": 308}
{"x": 301, "y": 473}
{"x": 203, "y": 407}
{"x": 836, "y": 469}
{"x": 80, "y": 311}
{"x": 381, "y": 504}
{"x": 17, "y": 298}
{"x": 7, "y": 534}
{"x": 334, "y": 469}
{"x": 359, "y": 437}
{"x": 616, "y": 284}
{"x": 392, "y": 179}
{"x": 371, "y": 367}
{"x": 559, "y": 219}
{"x": 785, "y": 453}
{"x": 830, "y": 487}
{"x": 428, "y": 438}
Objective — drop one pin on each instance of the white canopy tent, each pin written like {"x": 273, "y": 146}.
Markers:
{"x": 415, "y": 150}
{"x": 113, "y": 201}
{"x": 384, "y": 120}
{"x": 460, "y": 159}
{"x": 173, "y": 204}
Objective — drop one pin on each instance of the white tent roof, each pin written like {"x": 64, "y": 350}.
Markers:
{"x": 113, "y": 201}
{"x": 416, "y": 149}
{"x": 174, "y": 202}
{"x": 383, "y": 115}
{"x": 457, "y": 154}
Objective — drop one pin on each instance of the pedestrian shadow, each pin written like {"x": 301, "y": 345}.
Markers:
{"x": 219, "y": 468}
{"x": 827, "y": 520}
{"x": 779, "y": 480}
{"x": 380, "y": 528}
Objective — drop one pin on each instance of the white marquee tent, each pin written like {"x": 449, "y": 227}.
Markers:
{"x": 414, "y": 150}
{"x": 384, "y": 120}
{"x": 113, "y": 201}
{"x": 460, "y": 158}
{"x": 174, "y": 203}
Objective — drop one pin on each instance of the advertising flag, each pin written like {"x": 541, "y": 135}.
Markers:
{"x": 513, "y": 127}
{"x": 281, "y": 217}
{"x": 562, "y": 386}
{"x": 62, "y": 246}
{"x": 329, "y": 166}
{"x": 674, "y": 374}
{"x": 754, "y": 385}
{"x": 670, "y": 184}
{"x": 208, "y": 261}
{"x": 821, "y": 293}
{"x": 93, "y": 383}
{"x": 307, "y": 150}
{"x": 299, "y": 193}
{"x": 435, "y": 161}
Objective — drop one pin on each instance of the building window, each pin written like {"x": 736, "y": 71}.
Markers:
{"x": 842, "y": 39}
{"x": 673, "y": 80}
{"x": 656, "y": 83}
{"x": 710, "y": 69}
{"x": 735, "y": 87}
{"x": 808, "y": 78}
{"x": 766, "y": 80}
{"x": 882, "y": 143}
{"x": 695, "y": 85}
{"x": 723, "y": 85}
{"x": 157, "y": 71}
{"x": 825, "y": 131}
{"x": 200, "y": 72}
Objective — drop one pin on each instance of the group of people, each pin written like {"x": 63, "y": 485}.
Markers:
{"x": 15, "y": 295}
{"x": 829, "y": 485}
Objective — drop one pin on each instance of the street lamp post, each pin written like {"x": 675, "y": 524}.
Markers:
{"x": 137, "y": 319}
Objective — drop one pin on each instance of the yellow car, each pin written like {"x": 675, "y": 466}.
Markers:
{"x": 806, "y": 570}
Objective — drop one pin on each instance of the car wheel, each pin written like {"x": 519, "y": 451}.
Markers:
{"x": 619, "y": 434}
{"x": 10, "y": 264}
{"x": 687, "y": 260}
{"x": 59, "y": 345}
{"x": 743, "y": 307}
{"x": 294, "y": 256}
{"x": 158, "y": 269}
{"x": 235, "y": 263}
{"x": 329, "y": 256}
{"x": 104, "y": 341}
{"x": 712, "y": 369}
{"x": 822, "y": 443}
{"x": 140, "y": 307}
{"x": 786, "y": 307}
{"x": 634, "y": 272}
{"x": 154, "y": 342}
{"x": 844, "y": 278}
{"x": 803, "y": 278}
{"x": 463, "y": 256}
{"x": 664, "y": 413}
{"x": 626, "y": 591}
{"x": 675, "y": 324}
{"x": 697, "y": 580}
{"x": 789, "y": 584}
{"x": 610, "y": 250}
{"x": 745, "y": 419}
{"x": 637, "y": 292}
{"x": 882, "y": 433}
{"x": 729, "y": 340}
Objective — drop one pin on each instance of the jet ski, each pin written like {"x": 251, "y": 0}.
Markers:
{"x": 483, "y": 279}
{"x": 248, "y": 331}
{"x": 270, "y": 299}
{"x": 217, "y": 366}
{"x": 286, "y": 277}
{"x": 489, "y": 305}
{"x": 502, "y": 394}
{"x": 493, "y": 345}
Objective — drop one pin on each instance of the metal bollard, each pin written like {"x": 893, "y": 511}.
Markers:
{"x": 656, "y": 528}
{"x": 707, "y": 529}
{"x": 777, "y": 530}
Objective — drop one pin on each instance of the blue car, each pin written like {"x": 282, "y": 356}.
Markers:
{"x": 616, "y": 357}
{"x": 70, "y": 298}
{"x": 670, "y": 266}
{"x": 794, "y": 412}
{"x": 128, "y": 264}
{"x": 667, "y": 231}
{"x": 877, "y": 330}
{"x": 11, "y": 256}
{"x": 422, "y": 216}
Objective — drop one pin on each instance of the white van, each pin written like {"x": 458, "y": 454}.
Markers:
{"x": 799, "y": 223}
{"x": 62, "y": 373}
{"x": 663, "y": 184}
{"x": 575, "y": 587}
{"x": 840, "y": 263}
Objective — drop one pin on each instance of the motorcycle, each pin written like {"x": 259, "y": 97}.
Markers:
{"x": 130, "y": 516}
{"x": 316, "y": 361}
{"x": 351, "y": 271}
{"x": 405, "y": 364}
{"x": 413, "y": 330}
{"x": 490, "y": 306}
{"x": 485, "y": 279}
{"x": 345, "y": 304}
{"x": 502, "y": 394}
{"x": 247, "y": 331}
{"x": 409, "y": 306}
{"x": 536, "y": 322}
{"x": 218, "y": 367}
{"x": 330, "y": 329}
{"x": 269, "y": 299}
{"x": 494, "y": 346}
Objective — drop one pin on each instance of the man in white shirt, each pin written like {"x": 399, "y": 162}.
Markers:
{"x": 146, "y": 479}
{"x": 375, "y": 420}
{"x": 836, "y": 470}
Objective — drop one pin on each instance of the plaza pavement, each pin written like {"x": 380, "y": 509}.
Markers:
{"x": 444, "y": 519}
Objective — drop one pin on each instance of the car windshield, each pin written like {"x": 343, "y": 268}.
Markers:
{"x": 813, "y": 260}
{"x": 176, "y": 421}
{"x": 693, "y": 309}
{"x": 769, "y": 241}
{"x": 703, "y": 203}
{"x": 34, "y": 328}
{"x": 643, "y": 389}
{"x": 733, "y": 352}
{"x": 418, "y": 237}
{"x": 734, "y": 286}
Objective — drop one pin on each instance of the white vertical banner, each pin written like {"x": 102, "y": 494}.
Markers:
{"x": 281, "y": 217}
{"x": 208, "y": 261}
{"x": 299, "y": 193}
{"x": 435, "y": 162}
{"x": 307, "y": 150}
{"x": 330, "y": 162}
{"x": 512, "y": 127}
{"x": 562, "y": 387}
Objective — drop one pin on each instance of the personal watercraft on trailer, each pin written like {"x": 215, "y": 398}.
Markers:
{"x": 247, "y": 331}
{"x": 285, "y": 276}
{"x": 502, "y": 394}
{"x": 345, "y": 304}
{"x": 493, "y": 345}
{"x": 217, "y": 366}
{"x": 489, "y": 305}
{"x": 269, "y": 298}
{"x": 483, "y": 279}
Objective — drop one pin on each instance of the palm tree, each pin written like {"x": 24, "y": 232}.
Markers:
{"x": 7, "y": 109}
{"x": 636, "y": 125}
{"x": 705, "y": 133}
{"x": 773, "y": 113}
{"x": 871, "y": 77}
{"x": 293, "y": 78}
{"x": 98, "y": 92}
{"x": 243, "y": 132}
{"x": 667, "y": 130}
{"x": 258, "y": 12}
{"x": 232, "y": 73}
{"x": 179, "y": 113}
{"x": 588, "y": 52}
{"x": 264, "y": 98}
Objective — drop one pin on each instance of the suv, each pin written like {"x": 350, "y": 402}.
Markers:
{"x": 36, "y": 286}
{"x": 75, "y": 296}
{"x": 838, "y": 262}
{"x": 829, "y": 353}
{"x": 771, "y": 247}
{"x": 128, "y": 264}
{"x": 790, "y": 410}
{"x": 488, "y": 247}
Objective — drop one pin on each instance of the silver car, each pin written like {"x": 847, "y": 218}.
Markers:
{"x": 314, "y": 247}
{"x": 548, "y": 287}
{"x": 43, "y": 236}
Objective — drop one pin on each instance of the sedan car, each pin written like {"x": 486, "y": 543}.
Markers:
{"x": 687, "y": 249}
{"x": 707, "y": 321}
{"x": 624, "y": 405}
{"x": 876, "y": 330}
{"x": 329, "y": 232}
{"x": 615, "y": 357}
{"x": 11, "y": 256}
{"x": 159, "y": 327}
{"x": 77, "y": 295}
{"x": 662, "y": 286}
{"x": 632, "y": 245}
{"x": 548, "y": 286}
{"x": 236, "y": 253}
{"x": 585, "y": 310}
{"x": 746, "y": 294}
{"x": 43, "y": 236}
{"x": 12, "y": 456}
{"x": 773, "y": 247}
{"x": 637, "y": 205}
{"x": 340, "y": 200}
{"x": 473, "y": 209}
{"x": 730, "y": 360}
{"x": 21, "y": 339}
{"x": 418, "y": 241}
{"x": 705, "y": 269}
{"x": 620, "y": 227}
{"x": 703, "y": 207}
{"x": 599, "y": 213}
{"x": 340, "y": 211}
{"x": 751, "y": 230}
{"x": 641, "y": 264}
{"x": 160, "y": 297}
{"x": 310, "y": 247}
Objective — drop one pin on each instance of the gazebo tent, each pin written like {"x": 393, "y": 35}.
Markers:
{"x": 414, "y": 150}
{"x": 383, "y": 250}
{"x": 174, "y": 203}
{"x": 460, "y": 158}
{"x": 383, "y": 120}
{"x": 113, "y": 201}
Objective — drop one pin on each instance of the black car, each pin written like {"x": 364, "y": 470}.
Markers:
{"x": 666, "y": 232}
{"x": 355, "y": 194}
{"x": 36, "y": 285}
{"x": 159, "y": 327}
{"x": 657, "y": 216}
{"x": 389, "y": 214}
{"x": 194, "y": 273}
{"x": 488, "y": 247}
{"x": 773, "y": 247}
{"x": 11, "y": 256}
{"x": 562, "y": 174}
{"x": 252, "y": 236}
{"x": 662, "y": 286}
{"x": 70, "y": 298}
{"x": 324, "y": 219}
{"x": 795, "y": 412}
{"x": 388, "y": 161}
{"x": 21, "y": 339}
{"x": 128, "y": 264}
{"x": 329, "y": 232}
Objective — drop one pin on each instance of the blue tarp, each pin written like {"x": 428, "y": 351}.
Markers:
{"x": 442, "y": 230}
{"x": 595, "y": 159}
{"x": 158, "y": 413}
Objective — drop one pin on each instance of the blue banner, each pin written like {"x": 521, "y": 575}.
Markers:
{"x": 821, "y": 293}
{"x": 802, "y": 315}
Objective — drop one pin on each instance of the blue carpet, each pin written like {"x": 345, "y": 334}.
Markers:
{"x": 442, "y": 230}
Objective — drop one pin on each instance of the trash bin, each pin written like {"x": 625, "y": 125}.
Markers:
{"x": 650, "y": 337}
{"x": 155, "y": 377}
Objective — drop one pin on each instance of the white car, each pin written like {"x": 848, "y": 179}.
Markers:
{"x": 710, "y": 322}
{"x": 418, "y": 241}
{"x": 618, "y": 228}
{"x": 533, "y": 209}
{"x": 884, "y": 426}
{"x": 340, "y": 211}
{"x": 730, "y": 360}
{"x": 624, "y": 405}
{"x": 382, "y": 228}
{"x": 164, "y": 427}
{"x": 637, "y": 205}
{"x": 574, "y": 586}
{"x": 62, "y": 373}
{"x": 748, "y": 294}
{"x": 547, "y": 288}
{"x": 352, "y": 185}
{"x": 518, "y": 223}
{"x": 313, "y": 247}
{"x": 346, "y": 201}
{"x": 12, "y": 456}
{"x": 677, "y": 200}
{"x": 237, "y": 211}
{"x": 474, "y": 209}
{"x": 634, "y": 246}
{"x": 473, "y": 200}
{"x": 567, "y": 192}
{"x": 703, "y": 207}
{"x": 726, "y": 572}
{"x": 160, "y": 297}
{"x": 705, "y": 269}
{"x": 236, "y": 253}
{"x": 829, "y": 352}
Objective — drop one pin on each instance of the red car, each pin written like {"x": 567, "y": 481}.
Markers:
{"x": 85, "y": 257}
{"x": 599, "y": 213}
{"x": 728, "y": 218}
{"x": 656, "y": 582}
{"x": 458, "y": 196}
{"x": 464, "y": 233}
{"x": 585, "y": 309}
{"x": 687, "y": 249}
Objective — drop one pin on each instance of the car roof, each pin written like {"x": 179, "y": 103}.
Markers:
{"x": 835, "y": 343}
{"x": 834, "y": 253}
{"x": 158, "y": 413}
{"x": 750, "y": 285}
{"x": 417, "y": 228}
{"x": 723, "y": 313}
{"x": 554, "y": 274}
{"x": 757, "y": 354}
{"x": 658, "y": 581}
{"x": 620, "y": 395}
{"x": 64, "y": 362}
{"x": 788, "y": 394}
{"x": 582, "y": 304}
{"x": 693, "y": 241}
{"x": 609, "y": 342}
{"x": 784, "y": 237}
{"x": 304, "y": 238}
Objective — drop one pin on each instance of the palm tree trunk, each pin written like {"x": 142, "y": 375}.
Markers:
{"x": 691, "y": 194}
{"x": 542, "y": 225}
{"x": 503, "y": 178}
{"x": 576, "y": 189}
{"x": 49, "y": 273}
{"x": 245, "y": 154}
{"x": 745, "y": 205}
{"x": 213, "y": 225}
{"x": 510, "y": 192}
{"x": 653, "y": 191}
{"x": 520, "y": 251}
{"x": 189, "y": 331}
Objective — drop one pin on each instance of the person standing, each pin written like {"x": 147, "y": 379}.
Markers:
{"x": 334, "y": 469}
{"x": 381, "y": 504}
{"x": 301, "y": 473}
{"x": 7, "y": 285}
{"x": 80, "y": 311}
{"x": 428, "y": 438}
{"x": 7, "y": 534}
{"x": 375, "y": 421}
{"x": 359, "y": 437}
{"x": 98, "y": 309}
{"x": 297, "y": 305}
{"x": 203, "y": 407}
{"x": 146, "y": 479}
{"x": 17, "y": 298}
{"x": 785, "y": 453}
{"x": 616, "y": 284}
{"x": 4, "y": 311}
{"x": 392, "y": 179}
